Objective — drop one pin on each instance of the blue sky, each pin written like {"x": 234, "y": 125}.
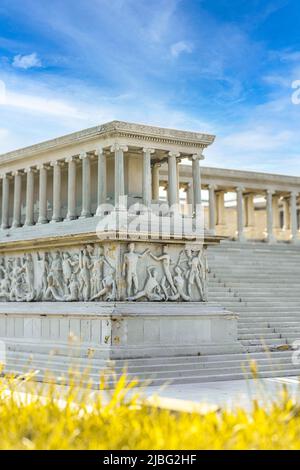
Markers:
{"x": 219, "y": 66}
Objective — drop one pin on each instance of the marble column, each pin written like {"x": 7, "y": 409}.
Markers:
{"x": 155, "y": 181}
{"x": 196, "y": 181}
{"x": 43, "y": 209}
{"x": 188, "y": 189}
{"x": 5, "y": 201}
{"x": 220, "y": 209}
{"x": 147, "y": 193}
{"x": 119, "y": 173}
{"x": 240, "y": 214}
{"x": 102, "y": 187}
{"x": 293, "y": 215}
{"x": 172, "y": 179}
{"x": 212, "y": 208}
{"x": 29, "y": 219}
{"x": 86, "y": 185}
{"x": 178, "y": 178}
{"x": 249, "y": 203}
{"x": 17, "y": 199}
{"x": 270, "y": 229}
{"x": 276, "y": 212}
{"x": 286, "y": 214}
{"x": 56, "y": 215}
{"x": 71, "y": 213}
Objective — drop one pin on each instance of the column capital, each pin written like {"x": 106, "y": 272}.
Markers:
{"x": 148, "y": 150}
{"x": 240, "y": 189}
{"x": 270, "y": 192}
{"x": 56, "y": 163}
{"x": 186, "y": 186}
{"x": 99, "y": 151}
{"x": 71, "y": 159}
{"x": 83, "y": 155}
{"x": 17, "y": 173}
{"x": 197, "y": 156}
{"x": 43, "y": 166}
{"x": 294, "y": 193}
{"x": 156, "y": 165}
{"x": 212, "y": 186}
{"x": 115, "y": 147}
{"x": 173, "y": 154}
{"x": 30, "y": 169}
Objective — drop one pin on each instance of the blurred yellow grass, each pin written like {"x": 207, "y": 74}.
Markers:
{"x": 47, "y": 416}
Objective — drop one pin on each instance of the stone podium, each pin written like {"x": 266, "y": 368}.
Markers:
{"x": 127, "y": 290}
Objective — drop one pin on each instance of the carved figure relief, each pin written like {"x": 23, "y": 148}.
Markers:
{"x": 90, "y": 274}
{"x": 130, "y": 262}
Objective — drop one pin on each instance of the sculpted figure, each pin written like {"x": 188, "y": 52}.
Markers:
{"x": 43, "y": 261}
{"x": 130, "y": 262}
{"x": 2, "y": 268}
{"x": 29, "y": 273}
{"x": 166, "y": 262}
{"x": 85, "y": 265}
{"x": 179, "y": 283}
{"x": 67, "y": 268}
{"x": 56, "y": 273}
{"x": 17, "y": 281}
{"x": 74, "y": 289}
{"x": 152, "y": 289}
{"x": 99, "y": 261}
{"x": 108, "y": 289}
{"x": 195, "y": 272}
{"x": 52, "y": 292}
{"x": 5, "y": 287}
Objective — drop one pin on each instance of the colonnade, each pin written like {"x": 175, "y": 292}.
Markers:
{"x": 245, "y": 211}
{"x": 12, "y": 185}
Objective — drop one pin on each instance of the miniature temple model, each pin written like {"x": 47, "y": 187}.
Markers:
{"x": 89, "y": 249}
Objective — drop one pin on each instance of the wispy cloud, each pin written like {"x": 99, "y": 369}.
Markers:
{"x": 157, "y": 62}
{"x": 181, "y": 46}
{"x": 26, "y": 61}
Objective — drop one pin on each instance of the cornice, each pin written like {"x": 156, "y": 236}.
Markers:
{"x": 113, "y": 129}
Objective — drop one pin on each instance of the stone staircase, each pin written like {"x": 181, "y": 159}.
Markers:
{"x": 260, "y": 282}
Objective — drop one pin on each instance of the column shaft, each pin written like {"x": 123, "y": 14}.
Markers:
{"x": 155, "y": 181}
{"x": 147, "y": 196}
{"x": 17, "y": 199}
{"x": 276, "y": 212}
{"x": 43, "y": 216}
{"x": 270, "y": 229}
{"x": 86, "y": 186}
{"x": 56, "y": 216}
{"x": 212, "y": 209}
{"x": 286, "y": 214}
{"x": 196, "y": 181}
{"x": 102, "y": 188}
{"x": 5, "y": 202}
{"x": 172, "y": 179}
{"x": 220, "y": 208}
{"x": 119, "y": 173}
{"x": 29, "y": 220}
{"x": 71, "y": 213}
{"x": 294, "y": 221}
{"x": 178, "y": 179}
{"x": 240, "y": 214}
{"x": 249, "y": 210}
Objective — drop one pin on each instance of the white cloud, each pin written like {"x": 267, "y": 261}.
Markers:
{"x": 181, "y": 46}
{"x": 27, "y": 61}
{"x": 49, "y": 105}
{"x": 258, "y": 140}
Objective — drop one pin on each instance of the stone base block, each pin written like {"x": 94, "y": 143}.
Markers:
{"x": 120, "y": 330}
